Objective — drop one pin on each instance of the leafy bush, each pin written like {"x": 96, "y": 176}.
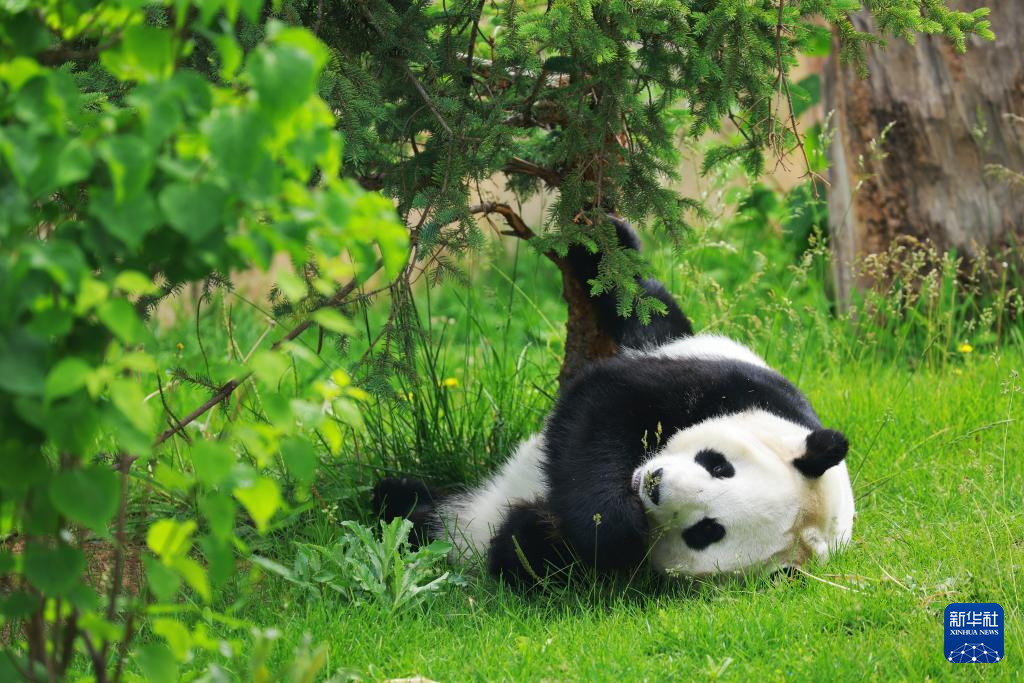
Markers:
{"x": 123, "y": 180}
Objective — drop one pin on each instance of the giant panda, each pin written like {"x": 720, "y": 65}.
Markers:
{"x": 685, "y": 452}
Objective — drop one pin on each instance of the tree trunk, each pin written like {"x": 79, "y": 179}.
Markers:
{"x": 585, "y": 341}
{"x": 952, "y": 118}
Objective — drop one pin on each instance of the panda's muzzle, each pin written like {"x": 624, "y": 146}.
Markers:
{"x": 648, "y": 484}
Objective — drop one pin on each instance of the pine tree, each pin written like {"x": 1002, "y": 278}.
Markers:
{"x": 591, "y": 98}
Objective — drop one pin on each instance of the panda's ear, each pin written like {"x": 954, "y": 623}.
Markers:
{"x": 826, "y": 448}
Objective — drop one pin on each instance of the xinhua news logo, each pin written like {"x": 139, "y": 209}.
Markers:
{"x": 974, "y": 633}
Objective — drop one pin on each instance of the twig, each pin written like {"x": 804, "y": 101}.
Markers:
{"x": 519, "y": 227}
{"x": 225, "y": 390}
{"x": 472, "y": 39}
{"x": 426, "y": 99}
{"x": 222, "y": 393}
{"x": 523, "y": 167}
{"x": 163, "y": 399}
{"x": 98, "y": 666}
{"x": 515, "y": 221}
{"x": 338, "y": 297}
{"x": 122, "y": 650}
{"x": 124, "y": 465}
{"x": 117, "y": 582}
{"x": 67, "y": 648}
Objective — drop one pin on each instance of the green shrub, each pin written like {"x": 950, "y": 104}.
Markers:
{"x": 115, "y": 194}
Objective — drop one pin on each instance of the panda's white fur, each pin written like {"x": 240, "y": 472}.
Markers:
{"x": 469, "y": 520}
{"x": 774, "y": 516}
{"x": 703, "y": 346}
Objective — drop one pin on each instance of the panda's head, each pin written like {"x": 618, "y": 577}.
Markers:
{"x": 743, "y": 491}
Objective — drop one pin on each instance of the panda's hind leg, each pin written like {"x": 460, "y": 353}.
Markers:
{"x": 528, "y": 547}
{"x": 409, "y": 498}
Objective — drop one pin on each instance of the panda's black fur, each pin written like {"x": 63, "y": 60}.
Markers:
{"x": 605, "y": 422}
{"x": 630, "y": 332}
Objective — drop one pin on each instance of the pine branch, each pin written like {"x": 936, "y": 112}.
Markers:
{"x": 519, "y": 227}
{"x": 551, "y": 177}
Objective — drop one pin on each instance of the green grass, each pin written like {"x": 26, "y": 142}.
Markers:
{"x": 936, "y": 459}
{"x": 939, "y": 477}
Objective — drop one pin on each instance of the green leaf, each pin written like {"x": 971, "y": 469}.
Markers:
{"x": 146, "y": 53}
{"x": 22, "y": 358}
{"x": 130, "y": 220}
{"x": 89, "y": 496}
{"x": 261, "y": 499}
{"x": 269, "y": 366}
{"x": 334, "y": 321}
{"x": 806, "y": 94}
{"x": 69, "y": 375}
{"x": 98, "y": 628}
{"x": 130, "y": 163}
{"x": 348, "y": 412}
{"x": 156, "y": 663}
{"x": 170, "y": 539}
{"x": 18, "y": 71}
{"x": 53, "y": 570}
{"x": 172, "y": 479}
{"x": 177, "y": 636}
{"x": 134, "y": 282}
{"x": 817, "y": 42}
{"x": 300, "y": 38}
{"x": 194, "y": 575}
{"x": 18, "y": 604}
{"x": 121, "y": 319}
{"x": 162, "y": 580}
{"x": 251, "y": 9}
{"x": 212, "y": 462}
{"x": 237, "y": 142}
{"x": 129, "y": 398}
{"x": 283, "y": 77}
{"x": 71, "y": 164}
{"x": 220, "y": 560}
{"x": 83, "y": 597}
{"x": 8, "y": 670}
{"x": 300, "y": 459}
{"x": 219, "y": 511}
{"x": 193, "y": 210}
{"x": 230, "y": 53}
{"x": 159, "y": 107}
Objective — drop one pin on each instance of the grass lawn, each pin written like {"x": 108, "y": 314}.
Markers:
{"x": 938, "y": 473}
{"x": 936, "y": 459}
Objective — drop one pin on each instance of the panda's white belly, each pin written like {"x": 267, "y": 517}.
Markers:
{"x": 469, "y": 520}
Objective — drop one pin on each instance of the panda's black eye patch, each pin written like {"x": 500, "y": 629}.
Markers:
{"x": 715, "y": 463}
{"x": 703, "y": 533}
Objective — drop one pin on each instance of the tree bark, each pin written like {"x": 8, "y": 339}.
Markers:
{"x": 952, "y": 117}
{"x": 585, "y": 341}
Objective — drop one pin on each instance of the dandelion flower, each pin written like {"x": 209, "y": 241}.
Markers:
{"x": 180, "y": 347}
{"x": 450, "y": 382}
{"x": 965, "y": 348}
